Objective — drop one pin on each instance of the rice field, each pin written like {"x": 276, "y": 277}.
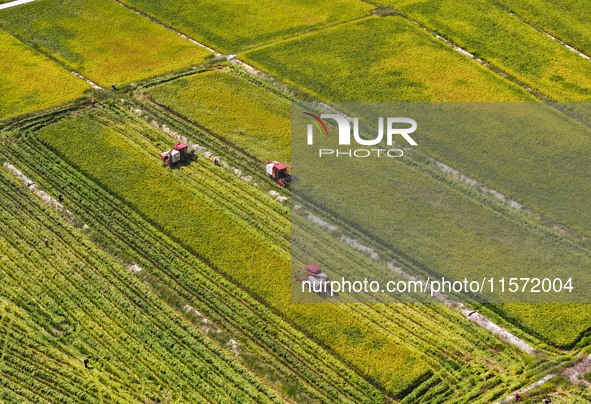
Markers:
{"x": 103, "y": 41}
{"x": 31, "y": 82}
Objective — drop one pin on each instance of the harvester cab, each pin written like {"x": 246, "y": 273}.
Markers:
{"x": 279, "y": 172}
{"x": 318, "y": 279}
{"x": 177, "y": 154}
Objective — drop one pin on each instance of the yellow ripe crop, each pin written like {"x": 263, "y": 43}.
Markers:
{"x": 103, "y": 41}
{"x": 29, "y": 81}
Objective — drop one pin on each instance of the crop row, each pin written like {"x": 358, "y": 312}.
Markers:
{"x": 205, "y": 136}
{"x": 415, "y": 332}
{"x": 339, "y": 254}
{"x": 571, "y": 314}
{"x": 202, "y": 135}
{"x": 263, "y": 214}
{"x": 363, "y": 315}
{"x": 226, "y": 306}
{"x": 196, "y": 177}
{"x": 120, "y": 326}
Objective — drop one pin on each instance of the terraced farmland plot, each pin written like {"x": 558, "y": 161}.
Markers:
{"x": 68, "y": 301}
{"x": 29, "y": 81}
{"x": 490, "y": 32}
{"x": 242, "y": 112}
{"x": 568, "y": 20}
{"x": 236, "y": 25}
{"x": 233, "y": 246}
{"x": 101, "y": 40}
{"x": 381, "y": 59}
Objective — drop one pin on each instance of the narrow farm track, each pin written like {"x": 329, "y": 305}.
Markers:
{"x": 215, "y": 312}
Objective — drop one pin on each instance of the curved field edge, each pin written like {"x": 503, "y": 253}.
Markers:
{"x": 145, "y": 185}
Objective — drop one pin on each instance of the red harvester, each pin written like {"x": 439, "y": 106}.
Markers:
{"x": 278, "y": 171}
{"x": 177, "y": 154}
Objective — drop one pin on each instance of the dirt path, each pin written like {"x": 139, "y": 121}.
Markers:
{"x": 14, "y": 3}
{"x": 92, "y": 84}
{"x": 524, "y": 390}
{"x": 573, "y": 373}
{"x": 579, "y": 369}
